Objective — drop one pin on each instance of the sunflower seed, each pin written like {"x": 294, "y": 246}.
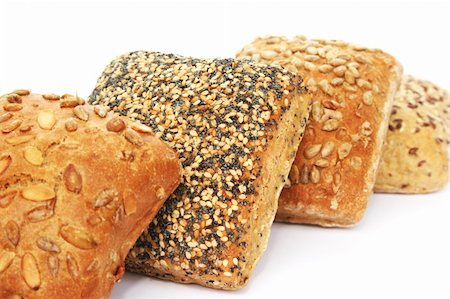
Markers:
{"x": 316, "y": 110}
{"x": 77, "y": 237}
{"x": 115, "y": 124}
{"x": 21, "y": 92}
{"x": 47, "y": 245}
{"x": 40, "y": 213}
{"x": 304, "y": 174}
{"x": 268, "y": 54}
{"x": 51, "y": 97}
{"x": 5, "y": 116}
{"x": 322, "y": 163}
{"x": 368, "y": 98}
{"x": 330, "y": 125}
{"x": 46, "y": 119}
{"x": 138, "y": 127}
{"x": 72, "y": 179}
{"x": 365, "y": 129}
{"x": 81, "y": 113}
{"x": 133, "y": 137}
{"x": 294, "y": 175}
{"x": 72, "y": 266}
{"x": 12, "y": 232}
{"x": 53, "y": 265}
{"x": 30, "y": 271}
{"x": 325, "y": 68}
{"x": 101, "y": 111}
{"x": 33, "y": 156}
{"x": 337, "y": 61}
{"x": 327, "y": 149}
{"x": 312, "y": 150}
{"x": 340, "y": 70}
{"x": 38, "y": 192}
{"x": 315, "y": 175}
{"x": 344, "y": 150}
{"x": 16, "y": 140}
{"x": 12, "y": 107}
{"x": 6, "y": 258}
{"x": 71, "y": 124}
{"x": 5, "y": 161}
{"x": 14, "y": 98}
{"x": 70, "y": 101}
{"x": 7, "y": 198}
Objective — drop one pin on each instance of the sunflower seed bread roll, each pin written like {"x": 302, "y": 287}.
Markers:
{"x": 236, "y": 126}
{"x": 78, "y": 186}
{"x": 415, "y": 156}
{"x": 353, "y": 88}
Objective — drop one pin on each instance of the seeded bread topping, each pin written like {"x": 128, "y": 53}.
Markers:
{"x": 353, "y": 87}
{"x": 236, "y": 126}
{"x": 74, "y": 195}
{"x": 415, "y": 158}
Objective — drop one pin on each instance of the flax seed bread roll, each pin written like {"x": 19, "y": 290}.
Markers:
{"x": 77, "y": 188}
{"x": 415, "y": 157}
{"x": 236, "y": 126}
{"x": 353, "y": 87}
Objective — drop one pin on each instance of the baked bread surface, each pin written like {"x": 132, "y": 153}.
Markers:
{"x": 77, "y": 187}
{"x": 236, "y": 126}
{"x": 353, "y": 88}
{"x": 415, "y": 154}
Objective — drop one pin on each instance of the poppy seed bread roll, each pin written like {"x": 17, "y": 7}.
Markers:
{"x": 236, "y": 126}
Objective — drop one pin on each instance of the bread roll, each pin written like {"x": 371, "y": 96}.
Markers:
{"x": 77, "y": 188}
{"x": 236, "y": 126}
{"x": 353, "y": 89}
{"x": 415, "y": 157}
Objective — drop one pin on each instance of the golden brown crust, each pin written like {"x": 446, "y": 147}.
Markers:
{"x": 353, "y": 87}
{"x": 74, "y": 196}
{"x": 236, "y": 126}
{"x": 415, "y": 158}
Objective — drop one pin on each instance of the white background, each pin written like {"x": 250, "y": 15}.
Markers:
{"x": 401, "y": 249}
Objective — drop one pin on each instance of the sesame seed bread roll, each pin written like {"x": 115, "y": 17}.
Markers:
{"x": 415, "y": 157}
{"x": 236, "y": 126}
{"x": 78, "y": 186}
{"x": 353, "y": 89}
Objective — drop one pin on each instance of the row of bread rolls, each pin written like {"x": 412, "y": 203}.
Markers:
{"x": 78, "y": 184}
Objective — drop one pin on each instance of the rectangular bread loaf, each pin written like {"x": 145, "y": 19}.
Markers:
{"x": 353, "y": 88}
{"x": 236, "y": 126}
{"x": 415, "y": 157}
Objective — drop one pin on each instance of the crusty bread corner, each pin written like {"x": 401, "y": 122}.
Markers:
{"x": 415, "y": 157}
